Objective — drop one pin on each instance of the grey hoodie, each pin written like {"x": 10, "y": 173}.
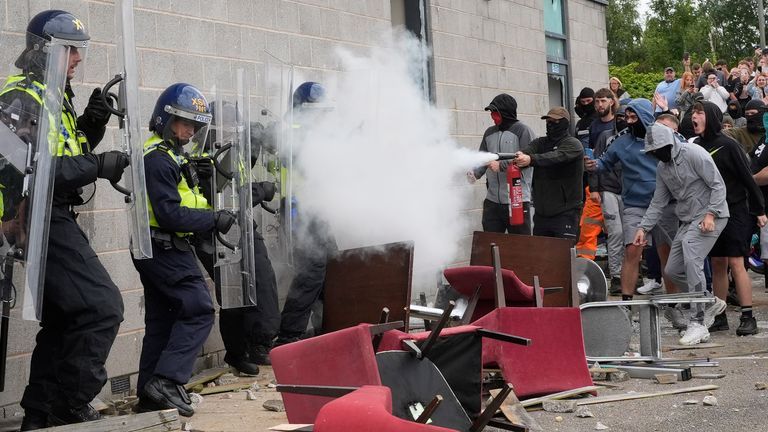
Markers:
{"x": 691, "y": 177}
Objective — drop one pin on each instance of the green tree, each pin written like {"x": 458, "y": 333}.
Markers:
{"x": 624, "y": 32}
{"x": 735, "y": 27}
{"x": 675, "y": 27}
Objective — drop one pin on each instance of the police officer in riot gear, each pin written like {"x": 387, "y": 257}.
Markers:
{"x": 247, "y": 332}
{"x": 82, "y": 307}
{"x": 179, "y": 310}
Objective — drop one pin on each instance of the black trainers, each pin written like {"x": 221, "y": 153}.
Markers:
{"x": 63, "y": 415}
{"x": 34, "y": 419}
{"x": 720, "y": 324}
{"x": 259, "y": 355}
{"x": 243, "y": 366}
{"x": 168, "y": 395}
{"x": 748, "y": 326}
{"x": 615, "y": 288}
{"x": 284, "y": 340}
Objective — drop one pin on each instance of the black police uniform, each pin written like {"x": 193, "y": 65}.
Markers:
{"x": 179, "y": 309}
{"x": 82, "y": 307}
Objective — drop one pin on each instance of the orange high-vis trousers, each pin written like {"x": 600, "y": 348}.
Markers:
{"x": 590, "y": 226}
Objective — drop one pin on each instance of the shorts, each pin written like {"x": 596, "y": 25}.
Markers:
{"x": 764, "y": 243}
{"x": 663, "y": 233}
{"x": 735, "y": 239}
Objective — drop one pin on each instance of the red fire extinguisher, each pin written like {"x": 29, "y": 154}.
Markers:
{"x": 515, "y": 188}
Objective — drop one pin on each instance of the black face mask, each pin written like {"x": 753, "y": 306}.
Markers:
{"x": 663, "y": 154}
{"x": 638, "y": 129}
{"x": 733, "y": 112}
{"x": 621, "y": 124}
{"x": 584, "y": 110}
{"x": 755, "y": 123}
{"x": 557, "y": 130}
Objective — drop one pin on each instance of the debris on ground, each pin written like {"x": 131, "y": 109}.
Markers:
{"x": 600, "y": 426}
{"x": 559, "y": 406}
{"x": 559, "y": 419}
{"x": 709, "y": 401}
{"x": 761, "y": 386}
{"x": 196, "y": 398}
{"x": 275, "y": 405}
{"x": 665, "y": 378}
{"x": 618, "y": 376}
{"x": 250, "y": 395}
{"x": 583, "y": 412}
{"x": 226, "y": 379}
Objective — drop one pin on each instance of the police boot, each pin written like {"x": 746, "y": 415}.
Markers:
{"x": 242, "y": 365}
{"x": 64, "y": 414}
{"x": 168, "y": 395}
{"x": 259, "y": 354}
{"x": 34, "y": 419}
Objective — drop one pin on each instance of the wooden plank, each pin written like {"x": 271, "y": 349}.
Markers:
{"x": 287, "y": 427}
{"x": 225, "y": 388}
{"x": 690, "y": 347}
{"x": 515, "y": 253}
{"x": 515, "y": 413}
{"x": 631, "y": 396}
{"x": 205, "y": 376}
{"x": 561, "y": 395}
{"x": 360, "y": 282}
{"x": 166, "y": 420}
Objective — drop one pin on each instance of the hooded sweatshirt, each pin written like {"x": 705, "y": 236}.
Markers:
{"x": 691, "y": 177}
{"x": 508, "y": 137}
{"x": 638, "y": 170}
{"x": 732, "y": 163}
{"x": 559, "y": 169}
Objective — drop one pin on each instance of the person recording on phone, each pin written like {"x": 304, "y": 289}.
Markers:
{"x": 715, "y": 93}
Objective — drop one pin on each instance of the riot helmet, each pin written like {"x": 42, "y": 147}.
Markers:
{"x": 50, "y": 28}
{"x": 181, "y": 115}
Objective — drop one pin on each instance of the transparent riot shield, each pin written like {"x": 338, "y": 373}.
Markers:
{"x": 130, "y": 123}
{"x": 277, "y": 159}
{"x": 229, "y": 147}
{"x": 30, "y": 117}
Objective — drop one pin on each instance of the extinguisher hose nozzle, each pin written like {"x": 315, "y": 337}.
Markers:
{"x": 506, "y": 156}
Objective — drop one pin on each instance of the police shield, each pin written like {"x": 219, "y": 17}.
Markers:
{"x": 130, "y": 123}
{"x": 229, "y": 145}
{"x": 277, "y": 158}
{"x": 30, "y": 118}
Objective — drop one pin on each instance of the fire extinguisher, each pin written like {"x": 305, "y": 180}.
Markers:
{"x": 515, "y": 189}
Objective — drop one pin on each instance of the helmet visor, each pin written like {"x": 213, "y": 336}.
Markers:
{"x": 184, "y": 131}
{"x": 35, "y": 57}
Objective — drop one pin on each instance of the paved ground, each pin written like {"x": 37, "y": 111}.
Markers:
{"x": 741, "y": 407}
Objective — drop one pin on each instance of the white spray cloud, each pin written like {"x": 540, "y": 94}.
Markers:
{"x": 382, "y": 167}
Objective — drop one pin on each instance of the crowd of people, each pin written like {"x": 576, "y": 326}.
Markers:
{"x": 678, "y": 182}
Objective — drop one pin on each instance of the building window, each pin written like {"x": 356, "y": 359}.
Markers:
{"x": 556, "y": 42}
{"x": 413, "y": 15}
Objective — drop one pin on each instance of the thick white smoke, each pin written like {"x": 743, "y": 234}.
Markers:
{"x": 381, "y": 167}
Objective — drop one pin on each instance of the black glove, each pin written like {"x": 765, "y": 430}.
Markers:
{"x": 112, "y": 164}
{"x": 262, "y": 191}
{"x": 204, "y": 166}
{"x": 96, "y": 111}
{"x": 224, "y": 220}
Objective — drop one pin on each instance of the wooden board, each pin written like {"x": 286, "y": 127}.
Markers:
{"x": 166, "y": 420}
{"x": 528, "y": 256}
{"x": 630, "y": 396}
{"x": 561, "y": 395}
{"x": 360, "y": 282}
{"x": 205, "y": 377}
{"x": 690, "y": 347}
{"x": 515, "y": 413}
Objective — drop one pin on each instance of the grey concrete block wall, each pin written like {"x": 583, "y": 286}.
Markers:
{"x": 481, "y": 48}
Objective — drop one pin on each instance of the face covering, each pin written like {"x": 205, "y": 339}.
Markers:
{"x": 557, "y": 130}
{"x": 663, "y": 154}
{"x": 584, "y": 110}
{"x": 621, "y": 124}
{"x": 638, "y": 129}
{"x": 496, "y": 116}
{"x": 755, "y": 123}
{"x": 733, "y": 112}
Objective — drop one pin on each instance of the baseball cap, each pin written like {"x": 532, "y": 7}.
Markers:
{"x": 669, "y": 68}
{"x": 557, "y": 113}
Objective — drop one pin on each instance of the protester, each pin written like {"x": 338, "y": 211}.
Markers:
{"x": 507, "y": 135}
{"x": 745, "y": 201}
{"x": 687, "y": 174}
{"x": 585, "y": 109}
{"x": 557, "y": 177}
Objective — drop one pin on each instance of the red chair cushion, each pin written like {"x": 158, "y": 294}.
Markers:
{"x": 368, "y": 409}
{"x": 555, "y": 361}
{"x": 341, "y": 358}
{"x": 466, "y": 280}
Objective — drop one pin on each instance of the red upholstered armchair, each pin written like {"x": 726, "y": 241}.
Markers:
{"x": 368, "y": 409}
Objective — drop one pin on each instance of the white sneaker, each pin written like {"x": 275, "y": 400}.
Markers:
{"x": 677, "y": 318}
{"x": 650, "y": 287}
{"x": 696, "y": 333}
{"x": 712, "y": 311}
